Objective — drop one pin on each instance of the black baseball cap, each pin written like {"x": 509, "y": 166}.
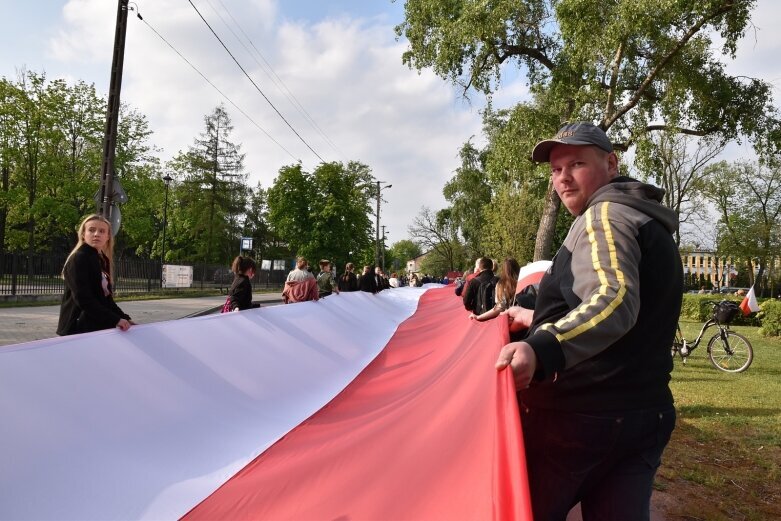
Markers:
{"x": 578, "y": 133}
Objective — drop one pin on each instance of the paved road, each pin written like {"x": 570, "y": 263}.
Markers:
{"x": 24, "y": 324}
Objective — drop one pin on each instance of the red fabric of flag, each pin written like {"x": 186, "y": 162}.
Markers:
{"x": 429, "y": 430}
{"x": 749, "y": 304}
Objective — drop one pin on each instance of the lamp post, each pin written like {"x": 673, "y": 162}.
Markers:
{"x": 167, "y": 179}
{"x": 380, "y": 188}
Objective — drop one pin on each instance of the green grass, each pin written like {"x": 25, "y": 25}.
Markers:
{"x": 724, "y": 459}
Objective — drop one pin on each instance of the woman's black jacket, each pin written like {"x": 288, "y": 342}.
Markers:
{"x": 351, "y": 282}
{"x": 85, "y": 307}
{"x": 240, "y": 293}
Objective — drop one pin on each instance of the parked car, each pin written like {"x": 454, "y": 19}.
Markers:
{"x": 731, "y": 290}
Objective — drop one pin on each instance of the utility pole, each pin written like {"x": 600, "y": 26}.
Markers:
{"x": 112, "y": 114}
{"x": 377, "y": 224}
{"x": 383, "y": 248}
{"x": 377, "y": 229}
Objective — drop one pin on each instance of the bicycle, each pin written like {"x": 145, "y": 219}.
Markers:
{"x": 728, "y": 351}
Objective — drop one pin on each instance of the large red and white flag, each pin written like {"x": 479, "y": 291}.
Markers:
{"x": 749, "y": 304}
{"x": 357, "y": 406}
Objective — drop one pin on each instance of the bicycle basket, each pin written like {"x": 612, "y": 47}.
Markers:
{"x": 725, "y": 311}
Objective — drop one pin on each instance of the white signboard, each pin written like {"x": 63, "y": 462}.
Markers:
{"x": 177, "y": 276}
{"x": 279, "y": 265}
{"x": 265, "y": 264}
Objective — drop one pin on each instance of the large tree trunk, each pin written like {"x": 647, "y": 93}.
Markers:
{"x": 547, "y": 229}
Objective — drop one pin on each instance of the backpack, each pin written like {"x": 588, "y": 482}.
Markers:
{"x": 485, "y": 298}
{"x": 527, "y": 297}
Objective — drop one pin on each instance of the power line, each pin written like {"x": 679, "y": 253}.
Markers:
{"x": 273, "y": 76}
{"x": 255, "y": 84}
{"x": 138, "y": 14}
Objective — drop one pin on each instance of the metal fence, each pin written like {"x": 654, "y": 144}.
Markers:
{"x": 22, "y": 274}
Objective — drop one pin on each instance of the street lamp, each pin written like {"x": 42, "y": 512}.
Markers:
{"x": 167, "y": 179}
{"x": 380, "y": 188}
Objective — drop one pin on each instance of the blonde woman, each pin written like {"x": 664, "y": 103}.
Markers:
{"x": 88, "y": 303}
{"x": 504, "y": 294}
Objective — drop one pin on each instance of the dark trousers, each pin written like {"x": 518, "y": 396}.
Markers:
{"x": 605, "y": 461}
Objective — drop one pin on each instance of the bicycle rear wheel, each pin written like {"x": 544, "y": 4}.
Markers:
{"x": 731, "y": 354}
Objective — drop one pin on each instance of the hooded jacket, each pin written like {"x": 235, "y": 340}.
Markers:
{"x": 608, "y": 307}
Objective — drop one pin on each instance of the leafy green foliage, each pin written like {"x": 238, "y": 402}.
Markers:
{"x": 747, "y": 197}
{"x": 323, "y": 214}
{"x": 438, "y": 236}
{"x": 632, "y": 66}
{"x": 402, "y": 251}
{"x": 700, "y": 308}
{"x": 211, "y": 194}
{"x": 770, "y": 317}
{"x": 51, "y": 136}
{"x": 469, "y": 196}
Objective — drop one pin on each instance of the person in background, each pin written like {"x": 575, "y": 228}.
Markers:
{"x": 349, "y": 280}
{"x": 88, "y": 301}
{"x": 483, "y": 274}
{"x": 505, "y": 290}
{"x": 325, "y": 280}
{"x": 300, "y": 273}
{"x": 393, "y": 281}
{"x": 301, "y": 285}
{"x": 368, "y": 282}
{"x": 240, "y": 291}
{"x": 382, "y": 279}
{"x": 593, "y": 372}
{"x": 413, "y": 281}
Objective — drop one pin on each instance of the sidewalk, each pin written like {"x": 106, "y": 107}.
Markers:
{"x": 25, "y": 324}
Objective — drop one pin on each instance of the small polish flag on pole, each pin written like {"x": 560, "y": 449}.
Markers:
{"x": 749, "y": 304}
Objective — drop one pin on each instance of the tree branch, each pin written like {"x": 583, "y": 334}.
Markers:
{"x": 611, "y": 93}
{"x": 653, "y": 73}
{"x": 623, "y": 147}
{"x": 522, "y": 50}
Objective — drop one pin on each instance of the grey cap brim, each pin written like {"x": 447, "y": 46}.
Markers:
{"x": 541, "y": 151}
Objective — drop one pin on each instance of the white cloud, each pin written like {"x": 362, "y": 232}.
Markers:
{"x": 81, "y": 39}
{"x": 346, "y": 72}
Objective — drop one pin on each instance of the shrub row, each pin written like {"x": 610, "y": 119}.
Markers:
{"x": 700, "y": 308}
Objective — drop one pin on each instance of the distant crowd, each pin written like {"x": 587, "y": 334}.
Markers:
{"x": 302, "y": 284}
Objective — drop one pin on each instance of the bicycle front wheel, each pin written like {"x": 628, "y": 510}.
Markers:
{"x": 732, "y": 353}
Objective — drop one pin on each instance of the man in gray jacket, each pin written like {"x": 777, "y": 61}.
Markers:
{"x": 593, "y": 371}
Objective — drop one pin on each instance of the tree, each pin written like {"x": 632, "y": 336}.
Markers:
{"x": 633, "y": 66}
{"x": 402, "y": 251}
{"x": 748, "y": 199}
{"x": 678, "y": 164}
{"x": 436, "y": 262}
{"x": 323, "y": 214}
{"x": 73, "y": 159}
{"x": 437, "y": 235}
{"x": 50, "y": 149}
{"x": 469, "y": 196}
{"x": 266, "y": 243}
{"x": 213, "y": 192}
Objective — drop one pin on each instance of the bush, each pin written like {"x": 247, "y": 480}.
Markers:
{"x": 700, "y": 308}
{"x": 770, "y": 317}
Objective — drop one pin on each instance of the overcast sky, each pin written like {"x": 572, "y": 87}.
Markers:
{"x": 339, "y": 59}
